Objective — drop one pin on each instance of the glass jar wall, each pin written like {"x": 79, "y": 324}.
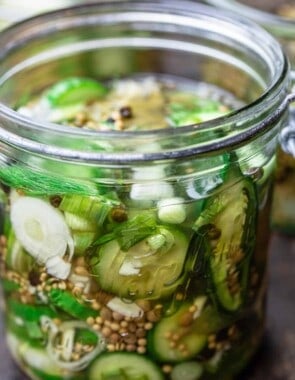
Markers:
{"x": 137, "y": 254}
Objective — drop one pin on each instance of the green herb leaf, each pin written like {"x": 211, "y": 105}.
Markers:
{"x": 132, "y": 231}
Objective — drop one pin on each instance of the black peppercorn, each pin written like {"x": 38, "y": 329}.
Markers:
{"x": 126, "y": 112}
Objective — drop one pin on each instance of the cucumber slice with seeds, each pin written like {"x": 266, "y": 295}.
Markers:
{"x": 227, "y": 227}
{"x": 122, "y": 366}
{"x": 141, "y": 271}
{"x": 187, "y": 343}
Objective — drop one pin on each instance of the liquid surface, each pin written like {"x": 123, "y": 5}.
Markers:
{"x": 134, "y": 104}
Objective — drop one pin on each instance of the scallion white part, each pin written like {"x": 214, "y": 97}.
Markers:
{"x": 128, "y": 309}
{"x": 151, "y": 191}
{"x": 172, "y": 210}
{"x": 199, "y": 303}
{"x": 83, "y": 281}
{"x": 57, "y": 267}
{"x": 41, "y": 229}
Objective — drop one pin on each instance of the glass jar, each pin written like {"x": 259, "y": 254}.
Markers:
{"x": 278, "y": 18}
{"x": 138, "y": 255}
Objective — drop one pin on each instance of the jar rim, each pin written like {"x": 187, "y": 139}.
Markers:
{"x": 277, "y": 89}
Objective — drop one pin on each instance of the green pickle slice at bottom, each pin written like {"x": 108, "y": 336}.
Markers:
{"x": 122, "y": 366}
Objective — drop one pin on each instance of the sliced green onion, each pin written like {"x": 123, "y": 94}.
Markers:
{"x": 43, "y": 232}
{"x": 79, "y": 223}
{"x": 69, "y": 304}
{"x": 92, "y": 208}
{"x": 82, "y": 240}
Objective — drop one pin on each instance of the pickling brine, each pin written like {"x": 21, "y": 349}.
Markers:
{"x": 136, "y": 180}
{"x": 154, "y": 279}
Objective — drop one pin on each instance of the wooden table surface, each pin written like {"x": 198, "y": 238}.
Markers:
{"x": 276, "y": 358}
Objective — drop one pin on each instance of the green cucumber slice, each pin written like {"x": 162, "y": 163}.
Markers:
{"x": 74, "y": 90}
{"x": 69, "y": 304}
{"x": 122, "y": 366}
{"x": 47, "y": 376}
{"x": 141, "y": 272}
{"x": 227, "y": 228}
{"x": 188, "y": 344}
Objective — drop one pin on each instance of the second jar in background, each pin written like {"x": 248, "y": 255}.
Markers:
{"x": 278, "y": 18}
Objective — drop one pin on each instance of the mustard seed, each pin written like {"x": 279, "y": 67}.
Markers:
{"x": 106, "y": 331}
{"x": 90, "y": 321}
{"x": 130, "y": 347}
